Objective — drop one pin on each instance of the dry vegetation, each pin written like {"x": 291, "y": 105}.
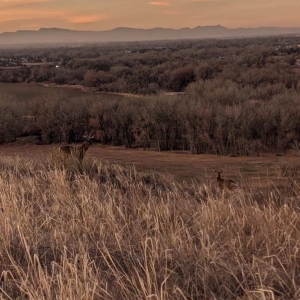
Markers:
{"x": 101, "y": 231}
{"x": 237, "y": 97}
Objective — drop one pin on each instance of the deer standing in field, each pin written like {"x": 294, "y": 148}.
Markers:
{"x": 224, "y": 183}
{"x": 77, "y": 151}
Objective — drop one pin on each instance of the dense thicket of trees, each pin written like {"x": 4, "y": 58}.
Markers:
{"x": 242, "y": 96}
{"x": 209, "y": 119}
{"x": 149, "y": 67}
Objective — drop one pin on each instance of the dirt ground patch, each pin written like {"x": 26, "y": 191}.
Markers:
{"x": 179, "y": 164}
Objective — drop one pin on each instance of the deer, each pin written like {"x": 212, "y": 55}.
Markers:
{"x": 77, "y": 151}
{"x": 224, "y": 183}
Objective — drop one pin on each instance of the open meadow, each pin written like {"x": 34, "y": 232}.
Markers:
{"x": 133, "y": 224}
{"x": 180, "y": 165}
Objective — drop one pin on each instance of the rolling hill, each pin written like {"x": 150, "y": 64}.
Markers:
{"x": 59, "y": 35}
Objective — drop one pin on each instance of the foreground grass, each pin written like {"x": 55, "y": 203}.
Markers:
{"x": 105, "y": 232}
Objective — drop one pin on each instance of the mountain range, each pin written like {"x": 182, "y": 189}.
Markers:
{"x": 59, "y": 35}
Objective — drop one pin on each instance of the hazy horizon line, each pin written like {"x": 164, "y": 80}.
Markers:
{"x": 149, "y": 28}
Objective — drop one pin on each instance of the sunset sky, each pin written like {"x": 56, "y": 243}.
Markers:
{"x": 109, "y": 14}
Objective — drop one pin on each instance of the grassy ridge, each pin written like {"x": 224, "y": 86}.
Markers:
{"x": 104, "y": 232}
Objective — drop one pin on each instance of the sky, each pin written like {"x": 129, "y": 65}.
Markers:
{"x": 108, "y": 14}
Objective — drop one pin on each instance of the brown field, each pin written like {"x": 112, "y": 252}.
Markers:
{"x": 23, "y": 91}
{"x": 134, "y": 224}
{"x": 103, "y": 231}
{"x": 31, "y": 91}
{"x": 181, "y": 165}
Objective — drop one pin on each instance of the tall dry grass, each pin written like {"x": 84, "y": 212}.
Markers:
{"x": 105, "y": 232}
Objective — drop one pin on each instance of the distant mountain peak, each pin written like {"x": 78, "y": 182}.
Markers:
{"x": 125, "y": 34}
{"x": 53, "y": 29}
{"x": 124, "y": 28}
{"x": 211, "y": 26}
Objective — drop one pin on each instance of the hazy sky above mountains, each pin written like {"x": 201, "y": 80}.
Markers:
{"x": 109, "y": 14}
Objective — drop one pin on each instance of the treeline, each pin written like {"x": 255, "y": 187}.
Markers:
{"x": 151, "y": 67}
{"x": 220, "y": 117}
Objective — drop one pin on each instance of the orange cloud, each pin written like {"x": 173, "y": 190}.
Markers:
{"x": 23, "y": 1}
{"x": 9, "y": 4}
{"x": 22, "y": 13}
{"x": 159, "y": 3}
{"x": 16, "y": 15}
{"x": 86, "y": 18}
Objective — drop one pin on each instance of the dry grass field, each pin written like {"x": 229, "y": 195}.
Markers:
{"x": 182, "y": 165}
{"x": 32, "y": 91}
{"x": 131, "y": 224}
